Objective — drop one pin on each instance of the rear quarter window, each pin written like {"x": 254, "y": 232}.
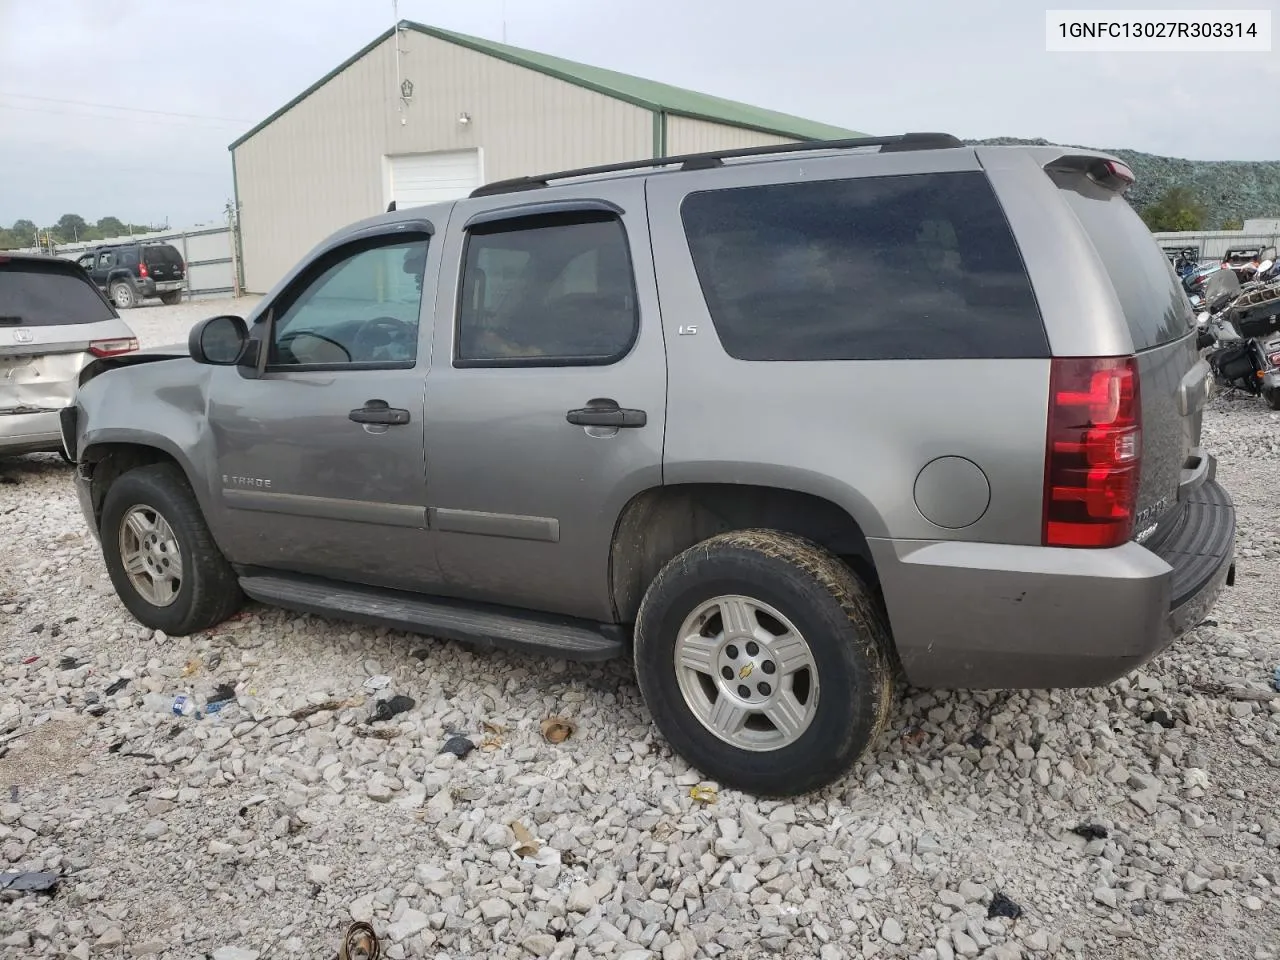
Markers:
{"x": 921, "y": 266}
{"x": 37, "y": 295}
{"x": 1154, "y": 300}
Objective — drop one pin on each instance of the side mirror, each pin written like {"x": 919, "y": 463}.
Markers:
{"x": 219, "y": 340}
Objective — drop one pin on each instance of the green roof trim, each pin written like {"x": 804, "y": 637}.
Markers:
{"x": 649, "y": 94}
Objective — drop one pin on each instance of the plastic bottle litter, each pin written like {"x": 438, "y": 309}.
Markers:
{"x": 183, "y": 706}
{"x": 1276, "y": 680}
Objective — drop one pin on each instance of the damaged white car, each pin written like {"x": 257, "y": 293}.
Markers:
{"x": 53, "y": 321}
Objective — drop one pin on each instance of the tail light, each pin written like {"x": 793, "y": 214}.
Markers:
{"x": 113, "y": 348}
{"x": 142, "y": 269}
{"x": 1093, "y": 452}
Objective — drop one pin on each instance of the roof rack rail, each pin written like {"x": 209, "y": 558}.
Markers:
{"x": 716, "y": 158}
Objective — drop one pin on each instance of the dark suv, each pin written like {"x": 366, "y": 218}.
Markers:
{"x": 131, "y": 272}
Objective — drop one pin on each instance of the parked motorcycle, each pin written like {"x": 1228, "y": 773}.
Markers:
{"x": 1240, "y": 334}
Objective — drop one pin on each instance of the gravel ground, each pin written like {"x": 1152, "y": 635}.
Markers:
{"x": 248, "y": 833}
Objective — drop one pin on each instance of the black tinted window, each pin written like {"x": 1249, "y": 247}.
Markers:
{"x": 907, "y": 267}
{"x": 37, "y": 295}
{"x": 1154, "y": 301}
{"x": 161, "y": 253}
{"x": 548, "y": 289}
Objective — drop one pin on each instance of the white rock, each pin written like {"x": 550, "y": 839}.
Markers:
{"x": 410, "y": 922}
{"x": 892, "y": 931}
{"x": 494, "y": 910}
{"x": 234, "y": 953}
{"x": 859, "y": 876}
{"x": 1194, "y": 883}
{"x": 884, "y": 836}
{"x": 540, "y": 944}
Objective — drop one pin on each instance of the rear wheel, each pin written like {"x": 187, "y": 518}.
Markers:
{"x": 123, "y": 295}
{"x": 764, "y": 661}
{"x": 171, "y": 298}
{"x": 161, "y": 557}
{"x": 1272, "y": 396}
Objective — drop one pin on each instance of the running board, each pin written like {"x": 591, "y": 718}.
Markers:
{"x": 482, "y": 625}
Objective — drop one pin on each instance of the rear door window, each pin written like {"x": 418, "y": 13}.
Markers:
{"x": 1155, "y": 303}
{"x": 553, "y": 289}
{"x": 921, "y": 266}
{"x": 39, "y": 295}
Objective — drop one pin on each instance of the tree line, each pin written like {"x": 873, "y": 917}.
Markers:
{"x": 69, "y": 228}
{"x": 1179, "y": 208}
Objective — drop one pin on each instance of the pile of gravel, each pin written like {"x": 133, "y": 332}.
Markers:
{"x": 1139, "y": 820}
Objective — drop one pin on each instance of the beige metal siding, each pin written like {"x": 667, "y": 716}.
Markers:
{"x": 320, "y": 165}
{"x": 686, "y": 135}
{"x": 315, "y": 168}
{"x": 523, "y": 121}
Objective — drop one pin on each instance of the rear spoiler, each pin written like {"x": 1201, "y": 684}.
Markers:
{"x": 1108, "y": 172}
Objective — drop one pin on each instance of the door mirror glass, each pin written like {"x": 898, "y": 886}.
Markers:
{"x": 218, "y": 340}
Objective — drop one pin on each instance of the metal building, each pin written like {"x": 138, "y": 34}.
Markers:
{"x": 422, "y": 115}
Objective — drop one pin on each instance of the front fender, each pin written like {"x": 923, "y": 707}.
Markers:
{"x": 162, "y": 405}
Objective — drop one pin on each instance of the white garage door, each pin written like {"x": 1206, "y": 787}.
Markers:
{"x": 421, "y": 178}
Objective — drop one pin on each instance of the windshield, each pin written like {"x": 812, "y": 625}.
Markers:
{"x": 1221, "y": 283}
{"x": 34, "y": 294}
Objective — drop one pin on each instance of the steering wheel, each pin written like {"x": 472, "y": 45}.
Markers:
{"x": 286, "y": 343}
{"x": 382, "y": 331}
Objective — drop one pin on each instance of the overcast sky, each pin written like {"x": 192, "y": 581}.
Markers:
{"x": 976, "y": 68}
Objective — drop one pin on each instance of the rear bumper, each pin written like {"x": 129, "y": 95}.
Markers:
{"x": 38, "y": 432}
{"x": 985, "y": 616}
{"x": 1271, "y": 380}
{"x": 150, "y": 287}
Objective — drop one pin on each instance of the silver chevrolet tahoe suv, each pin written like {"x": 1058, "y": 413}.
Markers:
{"x": 787, "y": 425}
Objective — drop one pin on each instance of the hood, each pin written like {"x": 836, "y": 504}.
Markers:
{"x": 146, "y": 355}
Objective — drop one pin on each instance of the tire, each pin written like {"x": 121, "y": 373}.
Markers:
{"x": 123, "y": 295}
{"x": 1272, "y": 397}
{"x": 206, "y": 592}
{"x": 171, "y": 298}
{"x": 833, "y": 709}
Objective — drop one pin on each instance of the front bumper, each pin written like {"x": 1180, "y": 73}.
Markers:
{"x": 991, "y": 616}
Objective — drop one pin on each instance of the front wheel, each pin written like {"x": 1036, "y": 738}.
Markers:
{"x": 1272, "y": 396}
{"x": 764, "y": 662}
{"x": 160, "y": 555}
